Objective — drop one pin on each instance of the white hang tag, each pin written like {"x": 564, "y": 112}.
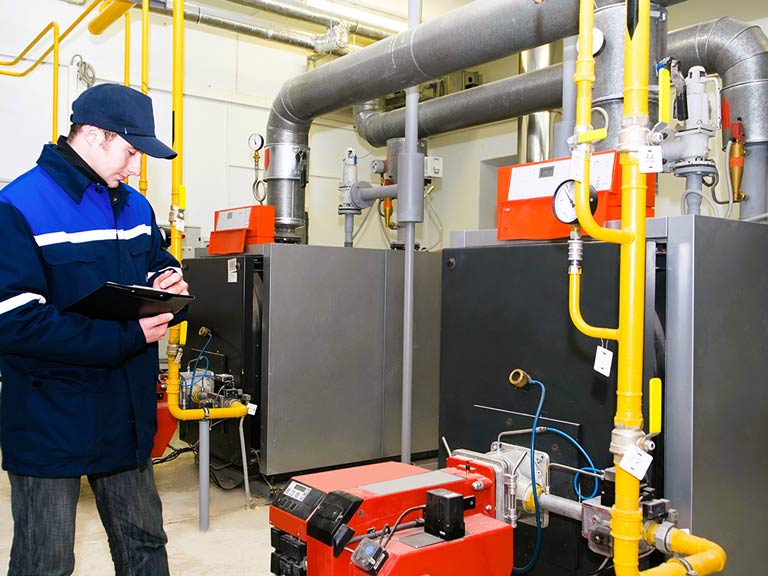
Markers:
{"x": 603, "y": 361}
{"x": 252, "y": 409}
{"x": 232, "y": 270}
{"x": 636, "y": 462}
{"x": 650, "y": 159}
{"x": 577, "y": 165}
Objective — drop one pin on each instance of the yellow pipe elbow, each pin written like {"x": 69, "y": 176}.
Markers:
{"x": 109, "y": 12}
{"x": 574, "y": 307}
{"x": 701, "y": 555}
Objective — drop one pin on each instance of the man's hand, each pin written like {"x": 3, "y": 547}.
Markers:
{"x": 171, "y": 281}
{"x": 155, "y": 327}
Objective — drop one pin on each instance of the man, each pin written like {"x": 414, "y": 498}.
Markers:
{"x": 78, "y": 394}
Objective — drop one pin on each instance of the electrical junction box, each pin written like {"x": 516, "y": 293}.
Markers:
{"x": 237, "y": 228}
{"x": 433, "y": 167}
{"x": 524, "y": 208}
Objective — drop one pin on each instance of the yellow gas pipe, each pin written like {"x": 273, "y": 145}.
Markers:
{"x": 143, "y": 184}
{"x": 55, "y": 97}
{"x": 127, "y": 54}
{"x": 178, "y": 204}
{"x": 109, "y": 12}
{"x": 626, "y": 517}
{"x": 63, "y": 35}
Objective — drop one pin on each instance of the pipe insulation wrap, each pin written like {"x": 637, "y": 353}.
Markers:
{"x": 501, "y": 100}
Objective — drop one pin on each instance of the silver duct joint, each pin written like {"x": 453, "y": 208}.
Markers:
{"x": 336, "y": 40}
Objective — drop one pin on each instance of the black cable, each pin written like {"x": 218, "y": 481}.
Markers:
{"x": 387, "y": 537}
{"x": 173, "y": 455}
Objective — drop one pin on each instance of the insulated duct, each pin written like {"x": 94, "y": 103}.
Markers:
{"x": 738, "y": 53}
{"x": 473, "y": 34}
{"x": 494, "y": 102}
{"x": 317, "y": 16}
{"x": 197, "y": 15}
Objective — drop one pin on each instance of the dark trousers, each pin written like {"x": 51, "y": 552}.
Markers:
{"x": 44, "y": 523}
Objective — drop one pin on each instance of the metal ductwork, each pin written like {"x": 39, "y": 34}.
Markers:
{"x": 501, "y": 100}
{"x": 473, "y": 34}
{"x": 738, "y": 53}
{"x": 197, "y": 15}
{"x": 317, "y": 16}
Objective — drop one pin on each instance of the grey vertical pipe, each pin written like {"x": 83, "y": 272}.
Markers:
{"x": 694, "y": 183}
{"x": 755, "y": 182}
{"x": 349, "y": 228}
{"x": 533, "y": 143}
{"x": 204, "y": 460}
{"x": 564, "y": 128}
{"x": 407, "y": 192}
{"x": 244, "y": 457}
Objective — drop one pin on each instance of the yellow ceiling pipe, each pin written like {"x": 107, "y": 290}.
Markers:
{"x": 63, "y": 35}
{"x": 55, "y": 97}
{"x": 109, "y": 12}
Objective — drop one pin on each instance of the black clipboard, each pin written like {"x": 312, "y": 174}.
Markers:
{"x": 113, "y": 301}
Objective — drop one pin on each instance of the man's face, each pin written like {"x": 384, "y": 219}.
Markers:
{"x": 115, "y": 159}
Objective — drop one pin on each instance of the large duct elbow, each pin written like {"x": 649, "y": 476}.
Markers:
{"x": 501, "y": 100}
{"x": 470, "y": 35}
{"x": 738, "y": 53}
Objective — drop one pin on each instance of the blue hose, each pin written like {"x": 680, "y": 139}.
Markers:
{"x": 591, "y": 467}
{"x": 537, "y": 549}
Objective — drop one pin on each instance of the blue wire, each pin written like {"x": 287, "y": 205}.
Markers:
{"x": 537, "y": 549}
{"x": 576, "y": 483}
{"x": 197, "y": 360}
{"x": 591, "y": 467}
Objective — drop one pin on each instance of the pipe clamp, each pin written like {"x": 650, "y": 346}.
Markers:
{"x": 689, "y": 569}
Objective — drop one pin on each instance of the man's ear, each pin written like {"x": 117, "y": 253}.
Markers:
{"x": 92, "y": 135}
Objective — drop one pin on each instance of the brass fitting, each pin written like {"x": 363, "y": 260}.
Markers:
{"x": 519, "y": 378}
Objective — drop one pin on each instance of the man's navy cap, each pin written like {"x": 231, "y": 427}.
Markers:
{"x": 122, "y": 110}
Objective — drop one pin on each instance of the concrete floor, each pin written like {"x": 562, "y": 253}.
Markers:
{"x": 236, "y": 544}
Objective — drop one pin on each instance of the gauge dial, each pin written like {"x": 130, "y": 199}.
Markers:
{"x": 256, "y": 141}
{"x": 564, "y": 203}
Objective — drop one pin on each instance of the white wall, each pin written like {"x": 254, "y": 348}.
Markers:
{"x": 230, "y": 83}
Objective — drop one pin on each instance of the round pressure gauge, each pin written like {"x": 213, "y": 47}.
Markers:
{"x": 564, "y": 203}
{"x": 256, "y": 141}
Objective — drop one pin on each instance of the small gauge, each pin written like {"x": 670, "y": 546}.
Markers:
{"x": 256, "y": 142}
{"x": 564, "y": 203}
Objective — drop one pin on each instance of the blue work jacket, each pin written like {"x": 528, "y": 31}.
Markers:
{"x": 78, "y": 395}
